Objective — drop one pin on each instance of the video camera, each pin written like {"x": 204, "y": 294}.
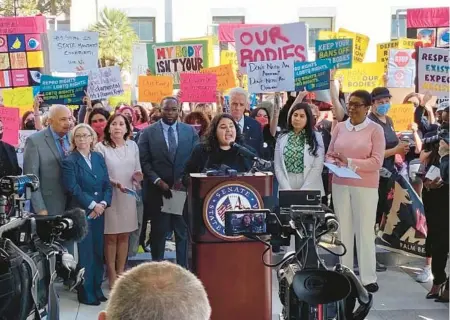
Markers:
{"x": 441, "y": 134}
{"x": 31, "y": 255}
{"x": 307, "y": 288}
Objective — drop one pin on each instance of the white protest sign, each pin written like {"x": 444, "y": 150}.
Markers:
{"x": 270, "y": 76}
{"x": 139, "y": 66}
{"x": 433, "y": 71}
{"x": 73, "y": 51}
{"x": 401, "y": 58}
{"x": 272, "y": 42}
{"x": 104, "y": 82}
{"x": 401, "y": 68}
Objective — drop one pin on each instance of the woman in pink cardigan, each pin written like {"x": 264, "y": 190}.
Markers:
{"x": 358, "y": 143}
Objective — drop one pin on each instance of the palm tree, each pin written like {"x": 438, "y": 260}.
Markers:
{"x": 116, "y": 38}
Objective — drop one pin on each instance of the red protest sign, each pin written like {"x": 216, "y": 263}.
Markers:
{"x": 198, "y": 87}
{"x": 10, "y": 122}
{"x": 268, "y": 43}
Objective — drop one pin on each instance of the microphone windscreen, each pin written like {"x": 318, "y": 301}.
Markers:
{"x": 79, "y": 228}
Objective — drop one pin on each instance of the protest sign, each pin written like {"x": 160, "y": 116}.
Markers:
{"x": 312, "y": 76}
{"x": 23, "y": 136}
{"x": 363, "y": 76}
{"x": 21, "y": 98}
{"x": 225, "y": 76}
{"x": 270, "y": 76}
{"x": 58, "y": 90}
{"x": 211, "y": 40}
{"x": 173, "y": 58}
{"x": 139, "y": 66}
{"x": 18, "y": 25}
{"x": 154, "y": 88}
{"x": 383, "y": 50}
{"x": 103, "y": 82}
{"x": 11, "y": 122}
{"x": 269, "y": 43}
{"x": 401, "y": 68}
{"x": 402, "y": 116}
{"x": 123, "y": 98}
{"x": 405, "y": 43}
{"x": 401, "y": 58}
{"x": 198, "y": 87}
{"x": 338, "y": 52}
{"x": 230, "y": 57}
{"x": 433, "y": 71}
{"x": 72, "y": 51}
{"x": 360, "y": 42}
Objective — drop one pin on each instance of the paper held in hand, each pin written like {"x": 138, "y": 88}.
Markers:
{"x": 342, "y": 172}
{"x": 174, "y": 205}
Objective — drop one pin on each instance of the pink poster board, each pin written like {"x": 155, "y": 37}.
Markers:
{"x": 10, "y": 122}
{"x": 198, "y": 87}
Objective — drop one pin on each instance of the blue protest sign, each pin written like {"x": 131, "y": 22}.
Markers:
{"x": 58, "y": 90}
{"x": 312, "y": 76}
{"x": 338, "y": 52}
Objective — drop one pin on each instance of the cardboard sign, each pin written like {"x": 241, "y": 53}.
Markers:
{"x": 21, "y": 98}
{"x": 198, "y": 87}
{"x": 269, "y": 43}
{"x": 338, "y": 52}
{"x": 402, "y": 116}
{"x": 312, "y": 76}
{"x": 58, "y": 90}
{"x": 123, "y": 98}
{"x": 270, "y": 76}
{"x": 155, "y": 88}
{"x": 174, "y": 58}
{"x": 363, "y": 76}
{"x": 230, "y": 57}
{"x": 103, "y": 82}
{"x": 433, "y": 71}
{"x": 401, "y": 68}
{"x": 383, "y": 50}
{"x": 360, "y": 42}
{"x": 72, "y": 51}
{"x": 11, "y": 122}
{"x": 225, "y": 76}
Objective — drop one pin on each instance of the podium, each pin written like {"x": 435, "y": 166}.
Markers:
{"x": 238, "y": 284}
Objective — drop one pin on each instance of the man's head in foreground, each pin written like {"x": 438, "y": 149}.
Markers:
{"x": 157, "y": 291}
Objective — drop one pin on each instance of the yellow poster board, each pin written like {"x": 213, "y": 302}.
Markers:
{"x": 21, "y": 98}
{"x": 225, "y": 76}
{"x": 402, "y": 116}
{"x": 124, "y": 98}
{"x": 383, "y": 52}
{"x": 230, "y": 57}
{"x": 360, "y": 44}
{"x": 362, "y": 76}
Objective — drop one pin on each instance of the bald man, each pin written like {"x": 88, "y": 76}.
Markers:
{"x": 43, "y": 154}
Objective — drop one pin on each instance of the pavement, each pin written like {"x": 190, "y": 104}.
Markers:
{"x": 400, "y": 297}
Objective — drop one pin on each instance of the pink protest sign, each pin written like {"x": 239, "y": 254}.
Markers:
{"x": 268, "y": 43}
{"x": 198, "y": 87}
{"x": 10, "y": 122}
{"x": 18, "y": 25}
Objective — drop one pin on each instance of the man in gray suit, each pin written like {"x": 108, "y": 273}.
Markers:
{"x": 164, "y": 148}
{"x": 43, "y": 154}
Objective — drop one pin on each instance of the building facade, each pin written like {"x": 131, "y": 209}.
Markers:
{"x": 166, "y": 20}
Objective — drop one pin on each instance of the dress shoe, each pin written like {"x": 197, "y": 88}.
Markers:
{"x": 372, "y": 287}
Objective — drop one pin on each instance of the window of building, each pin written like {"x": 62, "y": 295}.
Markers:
{"x": 61, "y": 25}
{"x": 402, "y": 26}
{"x": 144, "y": 28}
{"x": 316, "y": 24}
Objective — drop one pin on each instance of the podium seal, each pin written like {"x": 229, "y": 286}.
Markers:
{"x": 228, "y": 196}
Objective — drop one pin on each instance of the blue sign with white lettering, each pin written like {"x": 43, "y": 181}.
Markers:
{"x": 338, "y": 52}
{"x": 57, "y": 90}
{"x": 312, "y": 76}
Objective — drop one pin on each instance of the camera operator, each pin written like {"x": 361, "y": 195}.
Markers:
{"x": 435, "y": 197}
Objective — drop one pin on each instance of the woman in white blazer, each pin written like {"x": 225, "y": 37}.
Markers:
{"x": 300, "y": 153}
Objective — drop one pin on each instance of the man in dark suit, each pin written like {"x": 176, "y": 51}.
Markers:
{"x": 250, "y": 128}
{"x": 164, "y": 149}
{"x": 8, "y": 158}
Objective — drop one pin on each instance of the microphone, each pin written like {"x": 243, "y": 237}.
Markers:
{"x": 71, "y": 226}
{"x": 331, "y": 222}
{"x": 251, "y": 155}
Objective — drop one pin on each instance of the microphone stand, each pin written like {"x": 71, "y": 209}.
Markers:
{"x": 255, "y": 168}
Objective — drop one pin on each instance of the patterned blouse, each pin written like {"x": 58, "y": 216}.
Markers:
{"x": 294, "y": 152}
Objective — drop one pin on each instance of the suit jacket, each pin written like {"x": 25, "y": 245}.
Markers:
{"x": 86, "y": 184}
{"x": 12, "y": 156}
{"x": 313, "y": 165}
{"x": 253, "y": 135}
{"x": 42, "y": 158}
{"x": 156, "y": 162}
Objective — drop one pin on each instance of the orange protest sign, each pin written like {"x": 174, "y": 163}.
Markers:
{"x": 402, "y": 116}
{"x": 225, "y": 76}
{"x": 154, "y": 88}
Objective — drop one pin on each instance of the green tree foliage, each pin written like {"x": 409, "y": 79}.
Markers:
{"x": 34, "y": 7}
{"x": 116, "y": 38}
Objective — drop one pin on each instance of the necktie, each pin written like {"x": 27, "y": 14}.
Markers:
{"x": 63, "y": 147}
{"x": 172, "y": 143}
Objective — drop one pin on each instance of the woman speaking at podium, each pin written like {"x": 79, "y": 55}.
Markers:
{"x": 215, "y": 152}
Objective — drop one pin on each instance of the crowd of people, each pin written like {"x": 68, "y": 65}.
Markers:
{"x": 119, "y": 163}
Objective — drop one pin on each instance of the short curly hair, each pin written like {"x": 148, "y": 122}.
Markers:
{"x": 199, "y": 117}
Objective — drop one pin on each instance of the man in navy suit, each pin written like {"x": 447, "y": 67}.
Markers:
{"x": 250, "y": 128}
{"x": 164, "y": 149}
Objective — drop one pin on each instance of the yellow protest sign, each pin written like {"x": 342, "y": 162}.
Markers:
{"x": 154, "y": 88}
{"x": 405, "y": 43}
{"x": 402, "y": 116}
{"x": 225, "y": 76}
{"x": 362, "y": 76}
{"x": 329, "y": 35}
{"x": 124, "y": 98}
{"x": 21, "y": 98}
{"x": 383, "y": 51}
{"x": 211, "y": 42}
{"x": 230, "y": 57}
{"x": 360, "y": 44}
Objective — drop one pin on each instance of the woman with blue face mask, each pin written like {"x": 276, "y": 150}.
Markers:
{"x": 381, "y": 103}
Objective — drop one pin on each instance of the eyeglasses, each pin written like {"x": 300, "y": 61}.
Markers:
{"x": 82, "y": 136}
{"x": 356, "y": 105}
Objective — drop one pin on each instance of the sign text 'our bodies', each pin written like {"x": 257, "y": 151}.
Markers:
{"x": 179, "y": 58}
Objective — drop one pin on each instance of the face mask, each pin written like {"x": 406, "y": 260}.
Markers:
{"x": 29, "y": 125}
{"x": 262, "y": 121}
{"x": 383, "y": 109}
{"x": 99, "y": 127}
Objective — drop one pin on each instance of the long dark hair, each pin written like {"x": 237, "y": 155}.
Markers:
{"x": 107, "y": 141}
{"x": 309, "y": 127}
{"x": 255, "y": 111}
{"x": 210, "y": 138}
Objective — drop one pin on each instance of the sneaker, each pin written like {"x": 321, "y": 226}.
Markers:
{"x": 380, "y": 267}
{"x": 372, "y": 287}
{"x": 425, "y": 275}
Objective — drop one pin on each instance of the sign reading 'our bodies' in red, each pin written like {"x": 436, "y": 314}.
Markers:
{"x": 268, "y": 43}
